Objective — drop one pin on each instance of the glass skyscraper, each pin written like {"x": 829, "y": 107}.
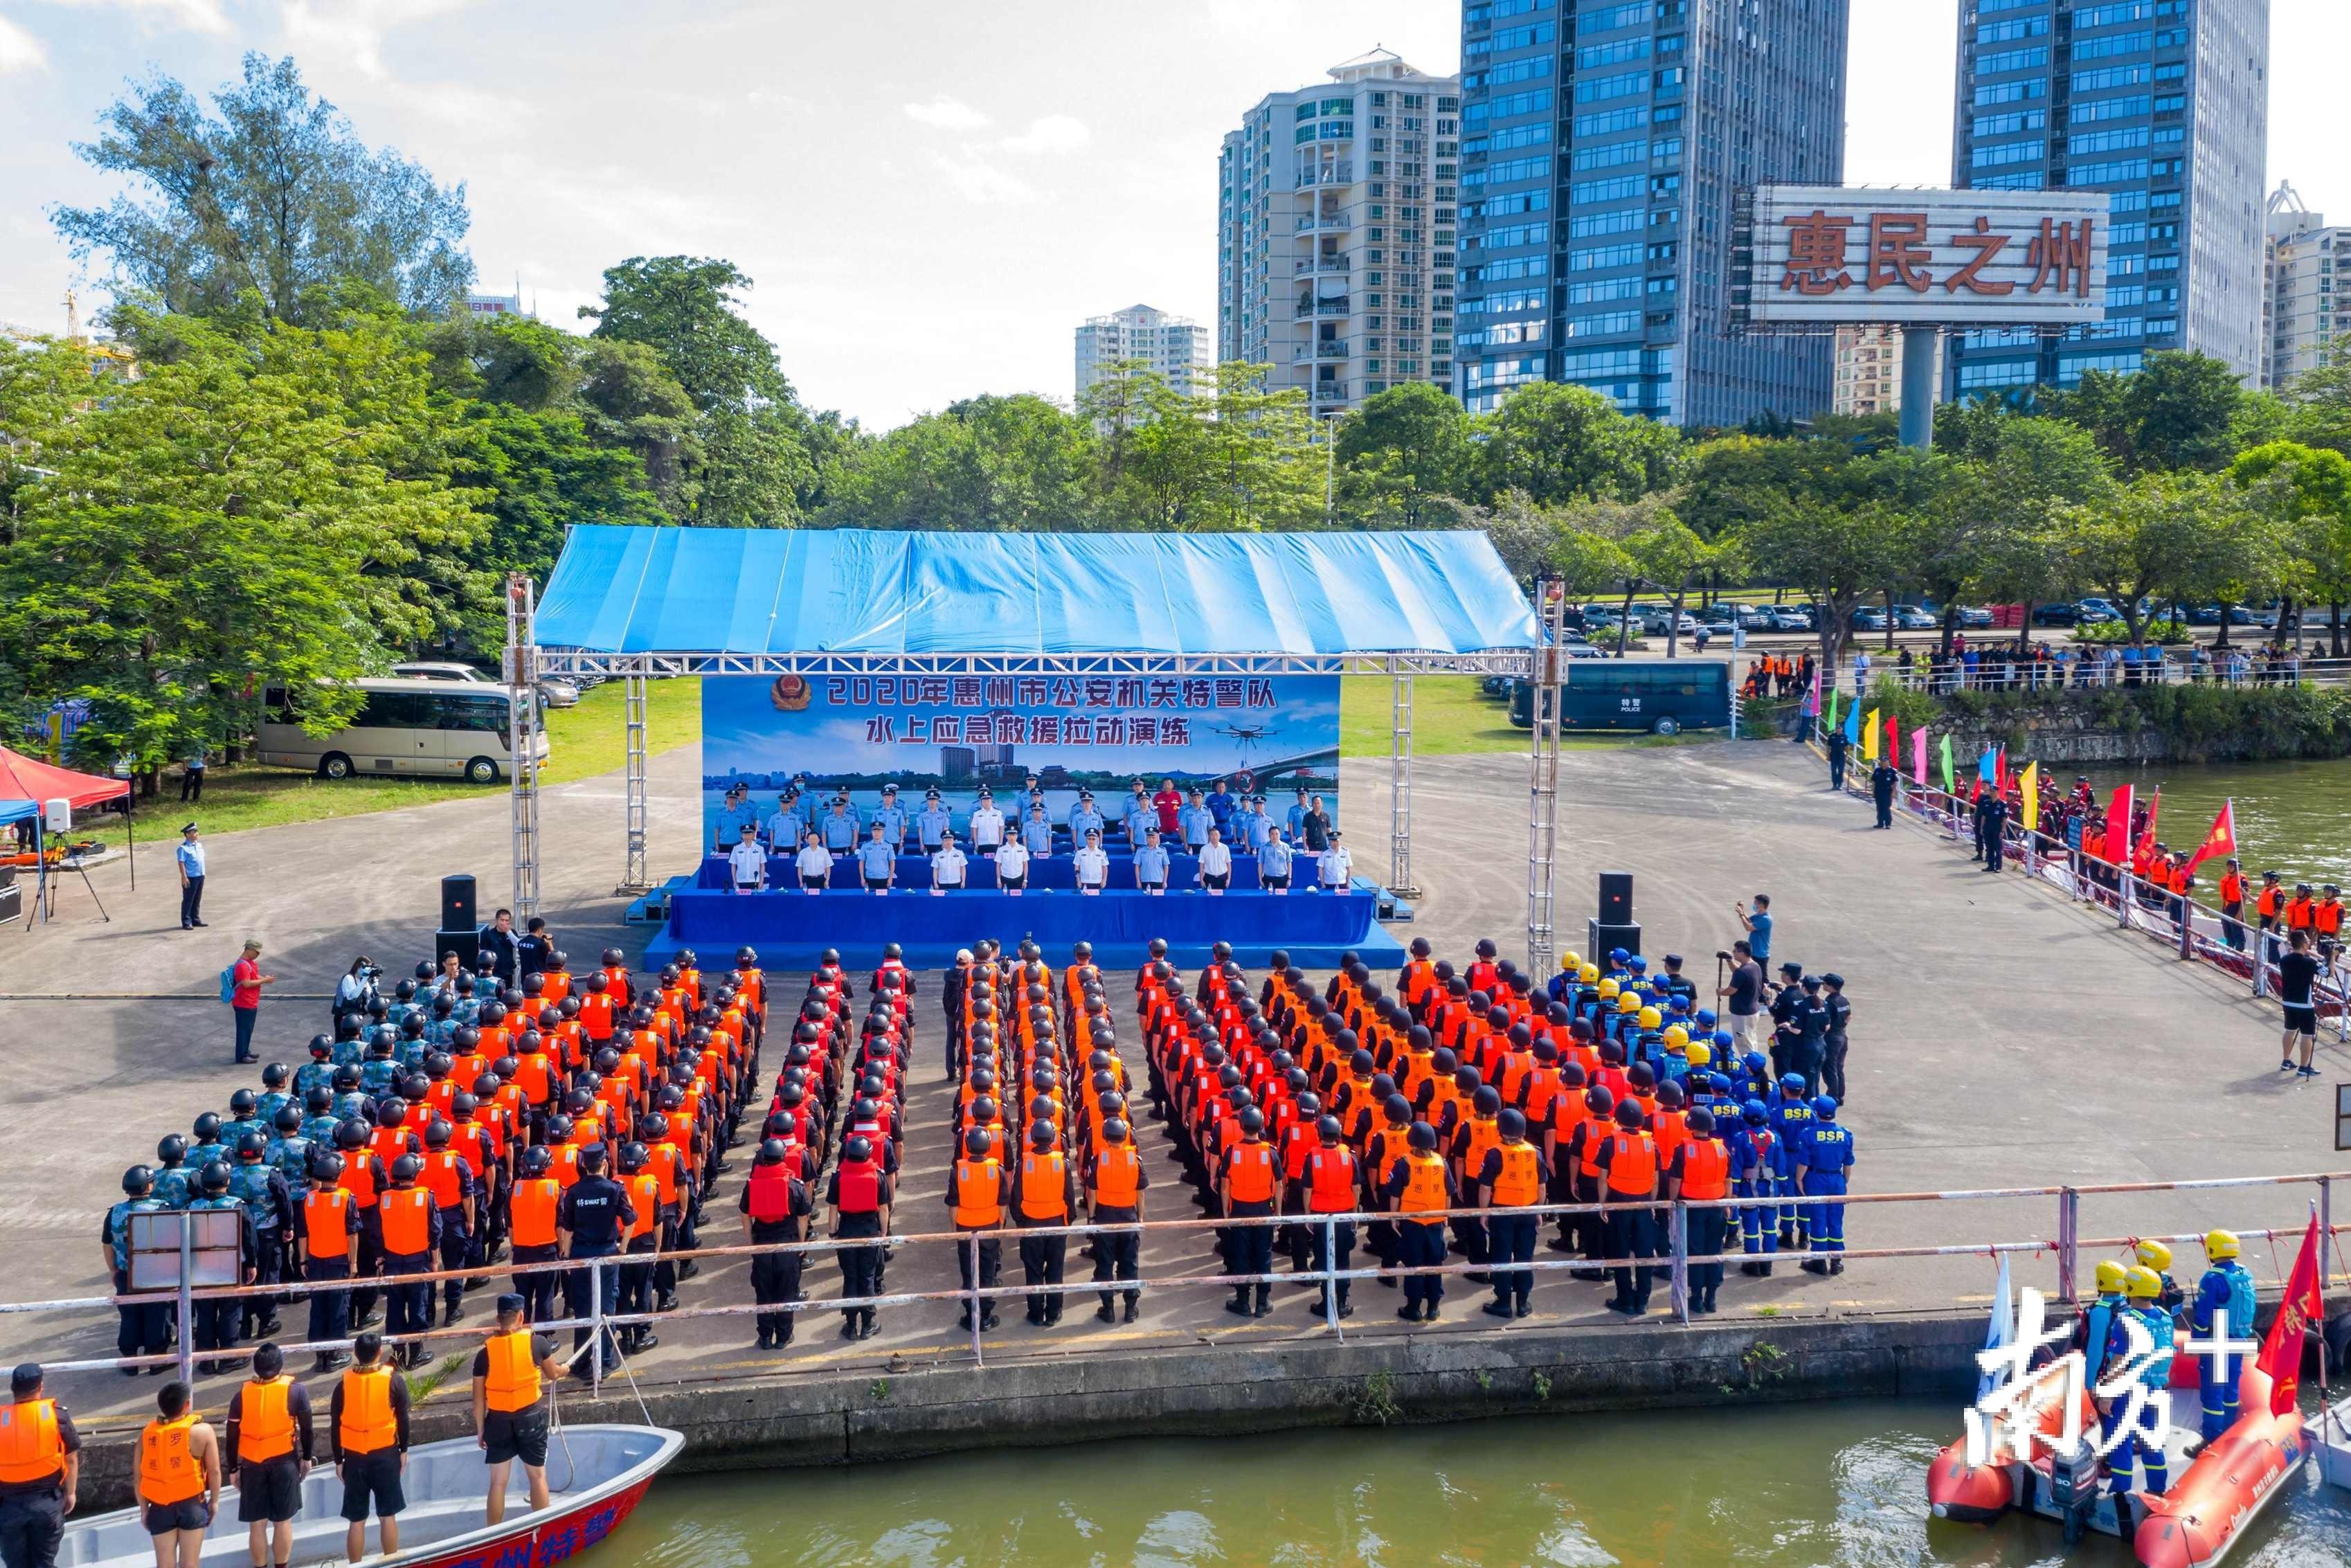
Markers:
{"x": 1602, "y": 144}
{"x": 2165, "y": 105}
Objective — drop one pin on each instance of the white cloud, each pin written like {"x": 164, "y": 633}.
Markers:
{"x": 981, "y": 182}
{"x": 1054, "y": 133}
{"x": 194, "y": 15}
{"x": 19, "y": 51}
{"x": 353, "y": 28}
{"x": 945, "y": 114}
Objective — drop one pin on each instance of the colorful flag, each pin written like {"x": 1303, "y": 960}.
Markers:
{"x": 1834, "y": 695}
{"x": 2221, "y": 841}
{"x": 2030, "y": 783}
{"x": 1853, "y": 725}
{"x": 1813, "y": 702}
{"x": 1919, "y": 757}
{"x": 2000, "y": 775}
{"x": 1949, "y": 785}
{"x": 1988, "y": 765}
{"x": 1869, "y": 736}
{"x": 2281, "y": 1356}
{"x": 1893, "y": 738}
{"x": 2118, "y": 816}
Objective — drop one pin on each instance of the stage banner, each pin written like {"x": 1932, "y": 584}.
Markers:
{"x": 822, "y": 734}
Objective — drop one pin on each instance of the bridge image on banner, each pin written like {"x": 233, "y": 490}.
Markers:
{"x": 1273, "y": 735}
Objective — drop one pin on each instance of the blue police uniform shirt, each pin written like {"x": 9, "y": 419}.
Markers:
{"x": 1083, "y": 820}
{"x": 1273, "y": 858}
{"x": 892, "y": 818}
{"x": 191, "y": 858}
{"x": 840, "y": 829}
{"x": 1296, "y": 820}
{"x": 931, "y": 824}
{"x": 1256, "y": 827}
{"x": 1194, "y": 822}
{"x": 876, "y": 859}
{"x": 1220, "y": 807}
{"x": 784, "y": 828}
{"x": 1150, "y": 864}
{"x": 1141, "y": 819}
{"x": 1037, "y": 836}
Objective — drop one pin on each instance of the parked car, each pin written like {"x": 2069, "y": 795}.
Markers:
{"x": 2056, "y": 616}
{"x": 1577, "y": 648}
{"x": 1793, "y": 618}
{"x": 1912, "y": 619}
{"x": 552, "y": 691}
{"x": 1974, "y": 617}
{"x": 1868, "y": 620}
{"x": 1660, "y": 621}
{"x": 1754, "y": 617}
{"x": 2095, "y": 613}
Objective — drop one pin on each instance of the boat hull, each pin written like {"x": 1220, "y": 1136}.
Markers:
{"x": 2204, "y": 1513}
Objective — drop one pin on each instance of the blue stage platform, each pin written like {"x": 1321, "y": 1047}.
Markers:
{"x": 1059, "y": 873}
{"x": 791, "y": 929}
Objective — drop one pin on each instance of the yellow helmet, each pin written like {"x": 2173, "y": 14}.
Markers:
{"x": 1607, "y": 990}
{"x": 1626, "y": 1002}
{"x": 1675, "y": 1033}
{"x": 2110, "y": 1277}
{"x": 1651, "y": 1018}
{"x": 1698, "y": 1054}
{"x": 1571, "y": 961}
{"x": 1589, "y": 973}
{"x": 2154, "y": 1254}
{"x": 2141, "y": 1283}
{"x": 2220, "y": 1244}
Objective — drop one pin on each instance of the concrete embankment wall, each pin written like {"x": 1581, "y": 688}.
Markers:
{"x": 874, "y": 1414}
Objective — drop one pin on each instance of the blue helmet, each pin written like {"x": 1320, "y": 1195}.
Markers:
{"x": 1824, "y": 1107}
{"x": 1717, "y": 1083}
{"x": 1706, "y": 1018}
{"x": 1721, "y": 1039}
{"x": 1618, "y": 954}
{"x": 1637, "y": 964}
{"x": 1754, "y": 1113}
{"x": 1792, "y": 1082}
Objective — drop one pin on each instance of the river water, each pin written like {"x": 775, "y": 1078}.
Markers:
{"x": 1797, "y": 1486}
{"x": 2292, "y": 817}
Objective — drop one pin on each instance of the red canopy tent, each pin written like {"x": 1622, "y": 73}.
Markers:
{"x": 24, "y": 778}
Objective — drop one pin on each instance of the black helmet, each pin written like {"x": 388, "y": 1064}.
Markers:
{"x": 172, "y": 1148}
{"x": 436, "y": 1135}
{"x": 350, "y": 1135}
{"x": 322, "y": 1046}
{"x": 1252, "y": 1122}
{"x": 406, "y": 990}
{"x": 595, "y": 982}
{"x": 856, "y": 1149}
{"x": 537, "y": 1161}
{"x": 1511, "y": 1124}
{"x": 273, "y": 1076}
{"x": 214, "y": 1178}
{"x": 346, "y": 1078}
{"x": 288, "y": 1119}
{"x": 633, "y": 1155}
{"x": 326, "y": 1166}
{"x": 137, "y": 1180}
{"x": 436, "y": 1066}
{"x": 208, "y": 1127}
{"x": 319, "y": 1100}
{"x": 389, "y": 1112}
{"x": 415, "y": 1087}
{"x": 771, "y": 1151}
{"x": 407, "y": 1169}
{"x": 613, "y": 956}
{"x": 462, "y": 1105}
{"x": 652, "y": 1127}
{"x": 1422, "y": 1136}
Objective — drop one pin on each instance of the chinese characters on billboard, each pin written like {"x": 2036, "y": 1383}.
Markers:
{"x": 1826, "y": 255}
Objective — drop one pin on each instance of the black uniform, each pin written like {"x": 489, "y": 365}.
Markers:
{"x": 776, "y": 1275}
{"x": 597, "y": 1212}
{"x": 1882, "y": 779}
{"x": 1832, "y": 1053}
{"x": 1836, "y": 745}
{"x": 33, "y": 1513}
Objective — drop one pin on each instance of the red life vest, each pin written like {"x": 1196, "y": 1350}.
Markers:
{"x": 770, "y": 1192}
{"x": 860, "y": 1186}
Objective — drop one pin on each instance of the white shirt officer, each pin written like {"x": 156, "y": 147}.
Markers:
{"x": 1012, "y": 862}
{"x": 1092, "y": 866}
{"x": 748, "y": 863}
{"x": 815, "y": 863}
{"x": 1335, "y": 868}
{"x": 986, "y": 826}
{"x": 948, "y": 867}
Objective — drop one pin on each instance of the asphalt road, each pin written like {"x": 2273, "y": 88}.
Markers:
{"x": 2001, "y": 1036}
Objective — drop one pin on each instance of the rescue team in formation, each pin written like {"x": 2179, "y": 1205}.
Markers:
{"x": 271, "y": 1445}
{"x": 566, "y": 1118}
{"x": 1477, "y": 1090}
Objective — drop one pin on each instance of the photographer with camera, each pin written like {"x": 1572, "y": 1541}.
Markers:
{"x": 355, "y": 990}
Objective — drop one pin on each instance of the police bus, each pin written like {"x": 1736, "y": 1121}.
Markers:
{"x": 404, "y": 727}
{"x": 1663, "y": 696}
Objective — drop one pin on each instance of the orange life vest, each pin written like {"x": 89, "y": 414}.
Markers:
{"x": 1331, "y": 1180}
{"x": 1248, "y": 1173}
{"x": 407, "y": 1221}
{"x": 1706, "y": 1168}
{"x": 369, "y": 1425}
{"x": 1118, "y": 1176}
{"x": 1632, "y": 1166}
{"x": 1044, "y": 1185}
{"x": 265, "y": 1427}
{"x": 1424, "y": 1185}
{"x": 326, "y": 1222}
{"x": 979, "y": 1193}
{"x": 168, "y": 1472}
{"x": 512, "y": 1383}
{"x": 1520, "y": 1181}
{"x": 530, "y": 1211}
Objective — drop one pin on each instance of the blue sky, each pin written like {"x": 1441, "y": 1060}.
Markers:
{"x": 928, "y": 196}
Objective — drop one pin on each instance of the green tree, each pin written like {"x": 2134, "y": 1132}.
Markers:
{"x": 2182, "y": 411}
{"x": 635, "y": 403}
{"x": 1559, "y": 443}
{"x": 267, "y": 194}
{"x": 984, "y": 464}
{"x": 2163, "y": 536}
{"x": 1993, "y": 532}
{"x": 1842, "y": 548}
{"x": 1407, "y": 458}
{"x": 1668, "y": 556}
{"x": 1243, "y": 457}
{"x": 2303, "y": 496}
{"x": 253, "y": 509}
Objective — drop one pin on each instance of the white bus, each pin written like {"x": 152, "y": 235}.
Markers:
{"x": 406, "y": 727}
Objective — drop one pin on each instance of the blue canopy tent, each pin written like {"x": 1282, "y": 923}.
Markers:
{"x": 11, "y": 813}
{"x": 645, "y": 602}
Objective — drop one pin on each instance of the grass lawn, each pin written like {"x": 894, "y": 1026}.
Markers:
{"x": 1449, "y": 717}
{"x": 582, "y": 741}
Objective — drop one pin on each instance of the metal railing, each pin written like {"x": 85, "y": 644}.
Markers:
{"x": 1673, "y": 1258}
{"x": 2006, "y": 673}
{"x": 2183, "y": 923}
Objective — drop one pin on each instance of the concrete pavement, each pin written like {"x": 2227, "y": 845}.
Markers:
{"x": 2001, "y": 1037}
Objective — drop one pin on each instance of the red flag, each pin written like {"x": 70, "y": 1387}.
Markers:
{"x": 1892, "y": 737}
{"x": 2221, "y": 840}
{"x": 2146, "y": 851}
{"x": 2281, "y": 1356}
{"x": 1999, "y": 776}
{"x": 2118, "y": 816}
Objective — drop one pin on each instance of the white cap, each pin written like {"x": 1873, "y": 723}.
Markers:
{"x": 962, "y": 955}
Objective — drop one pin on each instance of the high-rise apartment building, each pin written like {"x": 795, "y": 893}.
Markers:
{"x": 2163, "y": 104}
{"x": 1869, "y": 370}
{"x": 1601, "y": 146}
{"x": 2301, "y": 314}
{"x": 1173, "y": 346}
{"x": 1335, "y": 230}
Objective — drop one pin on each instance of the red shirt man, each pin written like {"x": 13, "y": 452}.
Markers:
{"x": 1169, "y": 803}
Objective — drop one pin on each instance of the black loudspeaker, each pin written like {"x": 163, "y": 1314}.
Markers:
{"x": 466, "y": 943}
{"x": 1617, "y": 898}
{"x": 1603, "y": 934}
{"x": 457, "y": 905}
